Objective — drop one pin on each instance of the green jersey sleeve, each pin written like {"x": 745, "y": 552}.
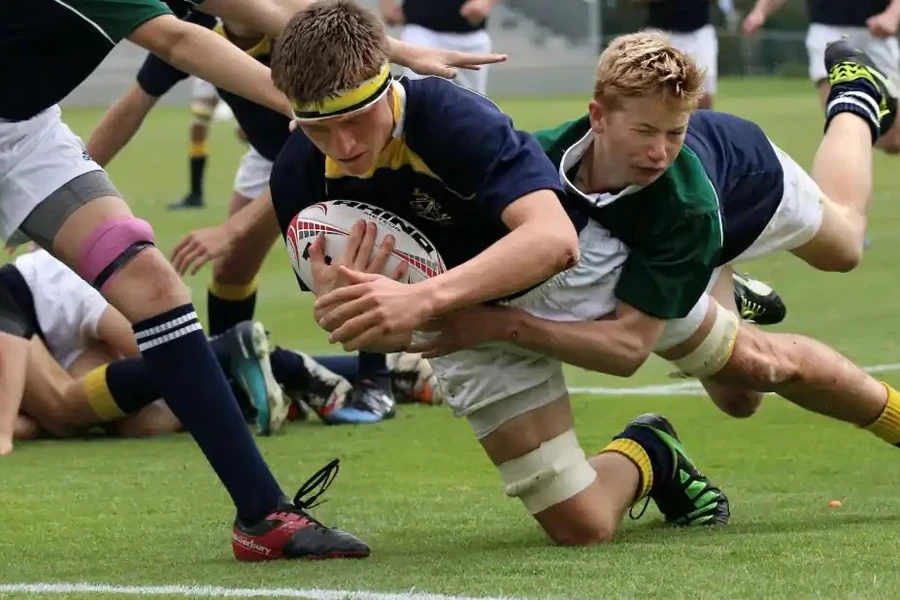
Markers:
{"x": 666, "y": 278}
{"x": 116, "y": 19}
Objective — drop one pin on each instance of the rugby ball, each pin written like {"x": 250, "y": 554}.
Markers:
{"x": 335, "y": 218}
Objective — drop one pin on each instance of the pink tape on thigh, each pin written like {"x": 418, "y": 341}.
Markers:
{"x": 107, "y": 242}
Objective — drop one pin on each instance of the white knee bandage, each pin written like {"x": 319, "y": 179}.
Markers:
{"x": 552, "y": 473}
{"x": 713, "y": 353}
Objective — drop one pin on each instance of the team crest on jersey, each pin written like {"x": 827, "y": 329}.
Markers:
{"x": 427, "y": 207}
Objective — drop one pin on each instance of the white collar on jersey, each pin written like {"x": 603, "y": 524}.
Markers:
{"x": 571, "y": 157}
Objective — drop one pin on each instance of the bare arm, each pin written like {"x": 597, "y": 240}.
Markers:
{"x": 13, "y": 365}
{"x": 616, "y": 345}
{"x": 272, "y": 16}
{"x": 767, "y": 7}
{"x": 119, "y": 124}
{"x": 542, "y": 242}
{"x": 209, "y": 56}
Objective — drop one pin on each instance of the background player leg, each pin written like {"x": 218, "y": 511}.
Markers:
{"x": 858, "y": 106}
{"x": 231, "y": 297}
{"x": 203, "y": 105}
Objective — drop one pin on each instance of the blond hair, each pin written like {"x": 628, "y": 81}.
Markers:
{"x": 645, "y": 64}
{"x": 328, "y": 47}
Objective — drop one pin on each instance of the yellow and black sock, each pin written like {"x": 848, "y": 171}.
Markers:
{"x": 652, "y": 457}
{"x": 229, "y": 304}
{"x": 887, "y": 425}
{"x": 119, "y": 388}
{"x": 198, "y": 153}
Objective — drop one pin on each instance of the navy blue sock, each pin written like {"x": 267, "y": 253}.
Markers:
{"x": 345, "y": 365}
{"x": 289, "y": 369}
{"x": 179, "y": 359}
{"x": 859, "y": 97}
{"x": 374, "y": 368}
{"x": 130, "y": 385}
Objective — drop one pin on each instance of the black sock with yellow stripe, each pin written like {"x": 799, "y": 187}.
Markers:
{"x": 119, "y": 388}
{"x": 124, "y": 387}
{"x": 887, "y": 425}
{"x": 650, "y": 455}
{"x": 198, "y": 153}
{"x": 229, "y": 304}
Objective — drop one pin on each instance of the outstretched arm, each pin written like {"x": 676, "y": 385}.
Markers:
{"x": 119, "y": 124}
{"x": 209, "y": 56}
{"x": 272, "y": 16}
{"x": 617, "y": 345}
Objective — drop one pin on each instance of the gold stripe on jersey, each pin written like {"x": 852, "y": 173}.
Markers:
{"x": 262, "y": 48}
{"x": 394, "y": 156}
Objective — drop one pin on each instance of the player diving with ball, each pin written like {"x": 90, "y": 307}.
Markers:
{"x": 363, "y": 136}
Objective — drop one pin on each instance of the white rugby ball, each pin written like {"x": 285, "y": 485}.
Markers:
{"x": 335, "y": 218}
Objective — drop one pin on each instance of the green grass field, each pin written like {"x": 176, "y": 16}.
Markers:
{"x": 419, "y": 489}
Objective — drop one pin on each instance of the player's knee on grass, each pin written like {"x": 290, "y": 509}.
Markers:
{"x": 541, "y": 464}
{"x": 518, "y": 407}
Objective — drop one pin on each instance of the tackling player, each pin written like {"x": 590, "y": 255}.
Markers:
{"x": 492, "y": 191}
{"x": 719, "y": 191}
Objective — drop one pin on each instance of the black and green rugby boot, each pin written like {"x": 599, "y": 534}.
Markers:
{"x": 859, "y": 87}
{"x": 688, "y": 498}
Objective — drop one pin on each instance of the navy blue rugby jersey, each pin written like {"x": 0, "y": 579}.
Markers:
{"x": 745, "y": 171}
{"x": 455, "y": 162}
{"x": 266, "y": 129}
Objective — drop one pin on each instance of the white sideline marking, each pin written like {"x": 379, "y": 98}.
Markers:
{"x": 684, "y": 388}
{"x": 209, "y": 591}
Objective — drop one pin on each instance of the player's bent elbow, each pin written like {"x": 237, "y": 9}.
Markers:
{"x": 563, "y": 247}
{"x": 583, "y": 536}
{"x": 630, "y": 355}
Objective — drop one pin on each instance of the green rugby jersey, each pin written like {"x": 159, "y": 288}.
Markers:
{"x": 51, "y": 46}
{"x": 712, "y": 204}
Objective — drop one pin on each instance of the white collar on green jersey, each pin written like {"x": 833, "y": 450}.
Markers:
{"x": 571, "y": 157}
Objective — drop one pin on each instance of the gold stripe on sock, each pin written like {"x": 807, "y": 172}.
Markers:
{"x": 233, "y": 291}
{"x": 887, "y": 425}
{"x": 636, "y": 454}
{"x": 99, "y": 397}
{"x": 198, "y": 149}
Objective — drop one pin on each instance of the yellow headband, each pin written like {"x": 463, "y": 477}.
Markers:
{"x": 346, "y": 101}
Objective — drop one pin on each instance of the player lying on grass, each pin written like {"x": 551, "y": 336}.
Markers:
{"x": 232, "y": 293}
{"x": 689, "y": 195}
{"x": 54, "y": 194}
{"x": 79, "y": 335}
{"x": 363, "y": 136}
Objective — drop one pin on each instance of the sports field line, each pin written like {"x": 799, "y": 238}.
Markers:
{"x": 683, "y": 388}
{"x": 209, "y": 591}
